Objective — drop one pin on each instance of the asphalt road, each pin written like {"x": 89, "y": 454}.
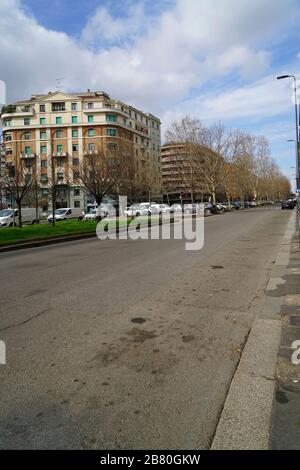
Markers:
{"x": 129, "y": 344}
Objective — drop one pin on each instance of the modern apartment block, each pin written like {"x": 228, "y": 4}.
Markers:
{"x": 57, "y": 130}
{"x": 174, "y": 187}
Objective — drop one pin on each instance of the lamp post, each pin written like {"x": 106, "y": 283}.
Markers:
{"x": 282, "y": 77}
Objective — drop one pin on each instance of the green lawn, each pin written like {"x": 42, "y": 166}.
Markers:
{"x": 45, "y": 230}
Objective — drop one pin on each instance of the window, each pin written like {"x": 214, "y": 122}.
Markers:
{"x": 59, "y": 134}
{"x": 28, "y": 150}
{"x": 44, "y": 163}
{"x": 74, "y": 106}
{"x": 27, "y": 136}
{"x": 59, "y": 163}
{"x": 75, "y": 175}
{"x": 42, "y": 108}
{"x": 76, "y": 192}
{"x": 91, "y": 132}
{"x": 75, "y": 161}
{"x": 44, "y": 178}
{"x": 7, "y": 123}
{"x": 90, "y": 118}
{"x": 8, "y": 137}
{"x": 91, "y": 147}
{"x": 76, "y": 203}
{"x": 42, "y": 121}
{"x": 74, "y": 133}
{"x": 90, "y": 105}
{"x": 43, "y": 135}
{"x": 60, "y": 175}
{"x": 59, "y": 148}
{"x": 43, "y": 148}
{"x": 8, "y": 152}
{"x": 112, "y": 146}
{"x": 74, "y": 147}
{"x": 26, "y": 122}
{"x": 111, "y": 132}
{"x": 111, "y": 118}
{"x": 124, "y": 122}
{"x": 58, "y": 107}
{"x": 74, "y": 119}
{"x": 58, "y": 120}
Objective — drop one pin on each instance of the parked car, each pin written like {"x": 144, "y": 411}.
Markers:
{"x": 92, "y": 215}
{"x": 66, "y": 213}
{"x": 236, "y": 205}
{"x": 131, "y": 211}
{"x": 221, "y": 208}
{"x": 176, "y": 208}
{"x": 142, "y": 209}
{"x": 160, "y": 208}
{"x": 288, "y": 204}
{"x": 210, "y": 208}
{"x": 9, "y": 217}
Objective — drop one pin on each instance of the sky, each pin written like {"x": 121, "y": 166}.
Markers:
{"x": 216, "y": 60}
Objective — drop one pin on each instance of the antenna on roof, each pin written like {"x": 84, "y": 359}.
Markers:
{"x": 58, "y": 83}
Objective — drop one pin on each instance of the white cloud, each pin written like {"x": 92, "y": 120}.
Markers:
{"x": 150, "y": 62}
{"x": 102, "y": 28}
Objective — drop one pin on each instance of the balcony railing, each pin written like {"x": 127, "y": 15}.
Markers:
{"x": 90, "y": 152}
{"x": 27, "y": 155}
{"x": 60, "y": 154}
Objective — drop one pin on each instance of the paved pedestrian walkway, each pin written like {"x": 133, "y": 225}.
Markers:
{"x": 286, "y": 419}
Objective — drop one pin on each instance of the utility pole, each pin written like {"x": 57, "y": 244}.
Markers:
{"x": 282, "y": 77}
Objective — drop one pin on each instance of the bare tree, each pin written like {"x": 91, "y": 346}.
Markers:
{"x": 16, "y": 182}
{"x": 106, "y": 172}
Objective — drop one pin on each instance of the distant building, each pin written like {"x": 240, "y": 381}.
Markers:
{"x": 68, "y": 126}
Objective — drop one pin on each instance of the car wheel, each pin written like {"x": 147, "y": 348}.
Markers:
{"x": 207, "y": 211}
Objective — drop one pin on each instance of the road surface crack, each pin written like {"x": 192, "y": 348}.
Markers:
{"x": 9, "y": 327}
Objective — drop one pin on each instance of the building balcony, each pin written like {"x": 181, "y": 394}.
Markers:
{"x": 27, "y": 155}
{"x": 60, "y": 154}
{"x": 90, "y": 152}
{"x": 15, "y": 111}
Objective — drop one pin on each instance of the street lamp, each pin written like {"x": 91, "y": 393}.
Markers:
{"x": 282, "y": 77}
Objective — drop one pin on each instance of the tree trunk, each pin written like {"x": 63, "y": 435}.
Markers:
{"x": 20, "y": 213}
{"x": 53, "y": 207}
{"x": 213, "y": 193}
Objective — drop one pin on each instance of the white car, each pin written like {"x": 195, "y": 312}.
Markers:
{"x": 164, "y": 208}
{"x": 9, "y": 216}
{"x": 66, "y": 213}
{"x": 92, "y": 215}
{"x": 131, "y": 211}
{"x": 176, "y": 208}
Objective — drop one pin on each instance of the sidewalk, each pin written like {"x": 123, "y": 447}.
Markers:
{"x": 286, "y": 417}
{"x": 255, "y": 414}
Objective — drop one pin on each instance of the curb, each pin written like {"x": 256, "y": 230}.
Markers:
{"x": 245, "y": 421}
{"x": 62, "y": 239}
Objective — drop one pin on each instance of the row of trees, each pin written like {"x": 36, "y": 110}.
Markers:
{"x": 214, "y": 160}
{"x": 210, "y": 161}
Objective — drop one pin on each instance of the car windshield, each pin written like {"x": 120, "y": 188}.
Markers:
{"x": 60, "y": 211}
{"x": 6, "y": 213}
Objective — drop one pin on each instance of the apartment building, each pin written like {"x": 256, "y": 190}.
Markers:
{"x": 180, "y": 174}
{"x": 57, "y": 130}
